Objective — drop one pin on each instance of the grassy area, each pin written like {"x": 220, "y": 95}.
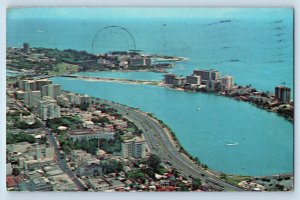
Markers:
{"x": 126, "y": 137}
{"x": 63, "y": 68}
{"x": 131, "y": 129}
{"x": 153, "y": 83}
{"x": 235, "y": 180}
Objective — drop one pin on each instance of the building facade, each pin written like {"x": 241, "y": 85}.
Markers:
{"x": 91, "y": 134}
{"x": 42, "y": 82}
{"x": 32, "y": 98}
{"x": 48, "y": 108}
{"x": 227, "y": 83}
{"x": 54, "y": 90}
{"x": 135, "y": 148}
{"x": 169, "y": 78}
{"x": 179, "y": 81}
{"x": 140, "y": 61}
{"x": 193, "y": 79}
{"x": 283, "y": 94}
{"x": 208, "y": 75}
{"x": 26, "y": 48}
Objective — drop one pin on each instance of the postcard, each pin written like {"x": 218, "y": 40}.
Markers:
{"x": 150, "y": 99}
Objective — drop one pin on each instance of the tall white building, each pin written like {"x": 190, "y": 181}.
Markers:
{"x": 169, "y": 78}
{"x": 179, "y": 81}
{"x": 283, "y": 94}
{"x": 32, "y": 98}
{"x": 48, "y": 108}
{"x": 135, "y": 148}
{"x": 140, "y": 61}
{"x": 193, "y": 79}
{"x": 42, "y": 82}
{"x": 63, "y": 101}
{"x": 51, "y": 90}
{"x": 28, "y": 85}
{"x": 227, "y": 83}
{"x": 84, "y": 99}
{"x": 208, "y": 75}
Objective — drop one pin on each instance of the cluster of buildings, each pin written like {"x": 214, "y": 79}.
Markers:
{"x": 270, "y": 101}
{"x": 85, "y": 164}
{"x": 30, "y": 156}
{"x": 46, "y": 99}
{"x": 211, "y": 80}
{"x": 89, "y": 168}
{"x": 38, "y": 169}
{"x": 27, "y": 54}
{"x": 124, "y": 60}
{"x": 131, "y": 147}
{"x": 40, "y": 96}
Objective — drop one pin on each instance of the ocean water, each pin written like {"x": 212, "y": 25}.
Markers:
{"x": 256, "y": 49}
{"x": 228, "y": 135}
{"x": 253, "y": 45}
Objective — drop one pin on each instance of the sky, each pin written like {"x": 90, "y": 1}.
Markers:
{"x": 86, "y": 12}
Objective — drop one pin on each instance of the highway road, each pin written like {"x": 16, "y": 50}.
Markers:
{"x": 160, "y": 143}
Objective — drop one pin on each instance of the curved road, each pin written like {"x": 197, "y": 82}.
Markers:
{"x": 160, "y": 143}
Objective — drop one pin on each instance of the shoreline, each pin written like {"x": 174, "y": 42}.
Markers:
{"x": 111, "y": 80}
{"x": 161, "y": 84}
{"x": 175, "y": 141}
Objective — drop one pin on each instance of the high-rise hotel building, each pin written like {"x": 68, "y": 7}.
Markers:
{"x": 283, "y": 94}
{"x": 227, "y": 83}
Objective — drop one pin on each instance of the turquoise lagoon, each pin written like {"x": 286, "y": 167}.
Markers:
{"x": 230, "y": 136}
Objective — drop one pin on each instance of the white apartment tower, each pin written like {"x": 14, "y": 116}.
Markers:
{"x": 32, "y": 98}
{"x": 135, "y": 148}
{"x": 51, "y": 90}
{"x": 226, "y": 83}
{"x": 48, "y": 108}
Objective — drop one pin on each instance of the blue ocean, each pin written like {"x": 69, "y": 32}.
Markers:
{"x": 253, "y": 45}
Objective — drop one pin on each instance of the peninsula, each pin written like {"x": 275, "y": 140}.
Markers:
{"x": 52, "y": 62}
{"x": 278, "y": 102}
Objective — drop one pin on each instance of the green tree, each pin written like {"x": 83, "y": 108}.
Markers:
{"x": 223, "y": 176}
{"x": 15, "y": 172}
{"x": 135, "y": 175}
{"x": 9, "y": 138}
{"x": 43, "y": 139}
{"x": 154, "y": 162}
{"x": 183, "y": 187}
{"x": 196, "y": 184}
{"x": 111, "y": 166}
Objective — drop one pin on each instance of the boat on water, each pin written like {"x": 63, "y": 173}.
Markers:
{"x": 232, "y": 144}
